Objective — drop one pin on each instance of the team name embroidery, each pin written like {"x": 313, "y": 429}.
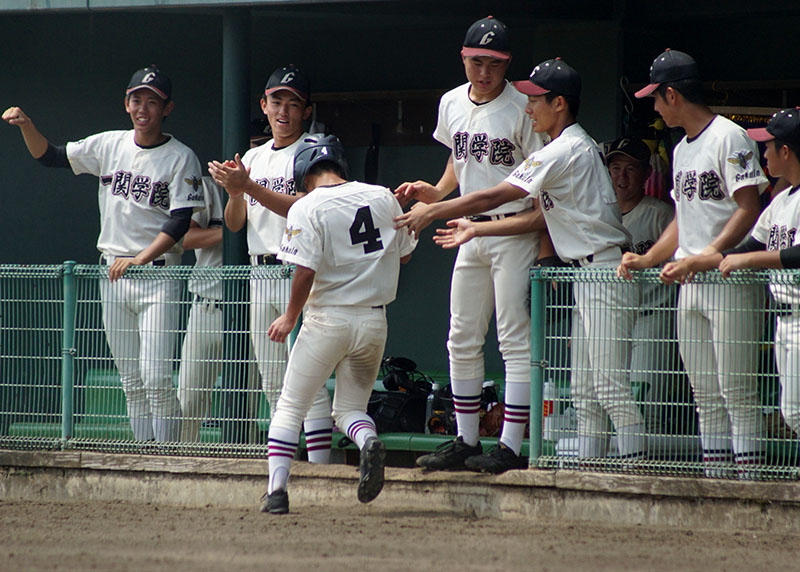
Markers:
{"x": 278, "y": 184}
{"x": 479, "y": 146}
{"x": 708, "y": 186}
{"x": 139, "y": 188}
{"x": 780, "y": 237}
{"x": 643, "y": 247}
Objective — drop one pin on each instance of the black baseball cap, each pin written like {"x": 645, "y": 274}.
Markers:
{"x": 784, "y": 125}
{"x": 290, "y": 78}
{"x": 487, "y": 37}
{"x": 551, "y": 75}
{"x": 632, "y": 147}
{"x": 671, "y": 65}
{"x": 153, "y": 79}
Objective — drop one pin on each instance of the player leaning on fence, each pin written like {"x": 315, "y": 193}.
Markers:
{"x": 572, "y": 185}
{"x": 150, "y": 184}
{"x": 772, "y": 244}
{"x": 717, "y": 183}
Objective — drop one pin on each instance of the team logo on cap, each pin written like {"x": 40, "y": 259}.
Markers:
{"x": 291, "y": 232}
{"x": 741, "y": 158}
{"x": 149, "y": 77}
{"x": 194, "y": 182}
{"x": 288, "y": 77}
{"x": 486, "y": 38}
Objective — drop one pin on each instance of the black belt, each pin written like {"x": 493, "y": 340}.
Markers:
{"x": 487, "y": 218}
{"x": 210, "y": 301}
{"x": 267, "y": 259}
{"x": 577, "y": 263}
{"x": 159, "y": 262}
{"x": 378, "y": 307}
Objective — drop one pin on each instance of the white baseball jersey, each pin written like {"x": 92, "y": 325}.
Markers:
{"x": 707, "y": 171}
{"x": 346, "y": 234}
{"x": 777, "y": 228}
{"x": 575, "y": 194}
{"x": 487, "y": 140}
{"x": 138, "y": 187}
{"x": 209, "y": 217}
{"x": 646, "y": 221}
{"x": 273, "y": 169}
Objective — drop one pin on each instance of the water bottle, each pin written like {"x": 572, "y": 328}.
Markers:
{"x": 429, "y": 407}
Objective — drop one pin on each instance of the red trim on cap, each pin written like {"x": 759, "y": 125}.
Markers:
{"x": 477, "y": 52}
{"x": 158, "y": 92}
{"x": 527, "y": 87}
{"x": 297, "y": 92}
{"x": 647, "y": 90}
{"x": 760, "y": 134}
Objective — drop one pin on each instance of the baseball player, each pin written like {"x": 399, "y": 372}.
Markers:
{"x": 484, "y": 125}
{"x": 580, "y": 211}
{"x": 772, "y": 245}
{"x": 347, "y": 255}
{"x": 261, "y": 188}
{"x": 150, "y": 184}
{"x": 654, "y": 351}
{"x": 717, "y": 183}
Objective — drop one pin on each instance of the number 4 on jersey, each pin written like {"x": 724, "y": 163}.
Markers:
{"x": 363, "y": 230}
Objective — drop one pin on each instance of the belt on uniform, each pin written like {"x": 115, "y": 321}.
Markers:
{"x": 209, "y": 301}
{"x": 587, "y": 260}
{"x": 378, "y": 307}
{"x": 158, "y": 262}
{"x": 262, "y": 259}
{"x": 487, "y": 218}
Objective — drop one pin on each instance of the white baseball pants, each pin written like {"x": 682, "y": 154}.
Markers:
{"x": 787, "y": 356}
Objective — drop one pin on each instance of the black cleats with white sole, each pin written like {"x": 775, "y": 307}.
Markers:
{"x": 371, "y": 462}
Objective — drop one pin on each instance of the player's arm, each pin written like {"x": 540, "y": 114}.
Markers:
{"x": 463, "y": 230}
{"x": 235, "y": 213}
{"x": 421, "y": 215}
{"x": 737, "y": 227}
{"x": 424, "y": 192}
{"x": 235, "y": 177}
{"x": 172, "y": 231}
{"x": 34, "y": 140}
{"x": 301, "y": 288}
{"x": 662, "y": 250}
{"x": 199, "y": 237}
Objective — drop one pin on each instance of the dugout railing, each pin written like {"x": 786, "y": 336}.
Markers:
{"x": 61, "y": 389}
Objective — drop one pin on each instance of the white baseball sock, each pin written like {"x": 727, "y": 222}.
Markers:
{"x": 142, "y": 428}
{"x": 319, "y": 433}
{"x": 166, "y": 429}
{"x": 467, "y": 403}
{"x": 516, "y": 414}
{"x": 282, "y": 446}
{"x": 359, "y": 427}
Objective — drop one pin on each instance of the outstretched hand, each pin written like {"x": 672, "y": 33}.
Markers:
{"x": 418, "y": 190}
{"x": 415, "y": 220}
{"x": 232, "y": 175}
{"x": 459, "y": 231}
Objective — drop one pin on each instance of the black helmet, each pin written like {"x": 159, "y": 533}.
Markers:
{"x": 315, "y": 149}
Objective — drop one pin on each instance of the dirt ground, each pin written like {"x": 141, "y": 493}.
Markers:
{"x": 95, "y": 535}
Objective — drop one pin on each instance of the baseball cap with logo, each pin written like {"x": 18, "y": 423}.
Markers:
{"x": 290, "y": 78}
{"x": 150, "y": 78}
{"x": 551, "y": 75}
{"x": 632, "y": 147}
{"x": 784, "y": 126}
{"x": 671, "y": 65}
{"x": 487, "y": 37}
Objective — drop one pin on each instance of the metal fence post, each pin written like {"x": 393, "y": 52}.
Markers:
{"x": 537, "y": 365}
{"x": 68, "y": 351}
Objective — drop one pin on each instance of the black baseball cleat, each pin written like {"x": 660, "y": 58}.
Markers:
{"x": 276, "y": 502}
{"x": 371, "y": 461}
{"x": 498, "y": 460}
{"x": 449, "y": 456}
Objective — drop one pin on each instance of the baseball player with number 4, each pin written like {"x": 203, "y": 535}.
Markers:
{"x": 579, "y": 209}
{"x": 483, "y": 123}
{"x": 717, "y": 183}
{"x": 341, "y": 238}
{"x": 150, "y": 184}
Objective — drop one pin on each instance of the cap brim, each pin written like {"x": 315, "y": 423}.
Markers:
{"x": 760, "y": 134}
{"x": 647, "y": 90}
{"x": 158, "y": 92}
{"x": 297, "y": 92}
{"x": 478, "y": 52}
{"x": 527, "y": 87}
